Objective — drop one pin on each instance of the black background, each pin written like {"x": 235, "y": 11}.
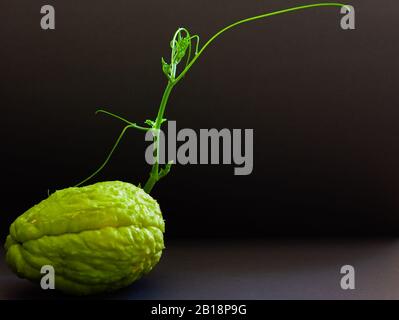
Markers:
{"x": 322, "y": 102}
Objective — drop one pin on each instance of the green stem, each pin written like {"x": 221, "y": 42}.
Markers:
{"x": 154, "y": 174}
{"x": 262, "y": 16}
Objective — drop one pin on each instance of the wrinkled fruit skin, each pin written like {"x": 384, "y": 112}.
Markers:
{"x": 98, "y": 238}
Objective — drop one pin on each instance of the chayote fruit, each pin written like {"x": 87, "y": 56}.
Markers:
{"x": 98, "y": 238}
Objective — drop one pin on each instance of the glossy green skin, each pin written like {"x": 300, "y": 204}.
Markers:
{"x": 98, "y": 238}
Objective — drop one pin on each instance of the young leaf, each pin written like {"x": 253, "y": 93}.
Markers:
{"x": 181, "y": 47}
{"x": 165, "y": 67}
{"x": 150, "y": 123}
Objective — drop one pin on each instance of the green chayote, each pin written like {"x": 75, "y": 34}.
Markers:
{"x": 98, "y": 238}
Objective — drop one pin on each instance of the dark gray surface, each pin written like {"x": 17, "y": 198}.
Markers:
{"x": 289, "y": 269}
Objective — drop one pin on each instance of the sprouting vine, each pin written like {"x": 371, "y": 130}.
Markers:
{"x": 181, "y": 45}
